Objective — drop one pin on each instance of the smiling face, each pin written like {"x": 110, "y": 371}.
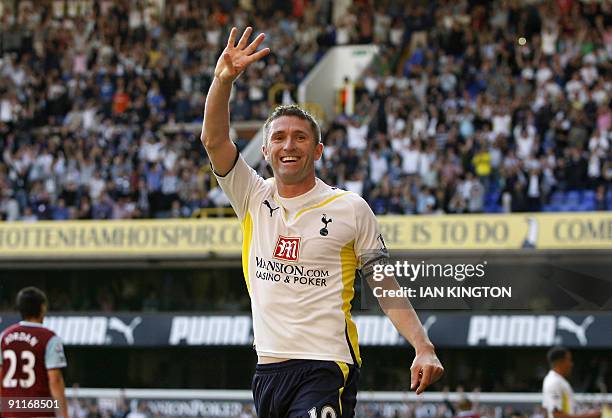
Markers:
{"x": 292, "y": 149}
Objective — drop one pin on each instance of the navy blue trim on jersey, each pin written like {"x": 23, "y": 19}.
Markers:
{"x": 348, "y": 342}
{"x": 233, "y": 165}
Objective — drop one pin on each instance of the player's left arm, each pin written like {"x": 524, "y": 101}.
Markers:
{"x": 58, "y": 390}
{"x": 370, "y": 249}
{"x": 426, "y": 367}
{"x": 55, "y": 361}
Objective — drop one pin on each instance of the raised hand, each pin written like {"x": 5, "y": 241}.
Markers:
{"x": 236, "y": 58}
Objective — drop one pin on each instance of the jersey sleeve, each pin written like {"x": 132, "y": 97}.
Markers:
{"x": 369, "y": 243}
{"x": 240, "y": 184}
{"x": 54, "y": 354}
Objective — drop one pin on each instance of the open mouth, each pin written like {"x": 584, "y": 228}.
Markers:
{"x": 289, "y": 159}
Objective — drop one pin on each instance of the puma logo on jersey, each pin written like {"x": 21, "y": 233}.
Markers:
{"x": 287, "y": 248}
{"x": 265, "y": 202}
{"x": 325, "y": 221}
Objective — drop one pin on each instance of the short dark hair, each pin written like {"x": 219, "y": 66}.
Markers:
{"x": 555, "y": 354}
{"x": 30, "y": 301}
{"x": 292, "y": 110}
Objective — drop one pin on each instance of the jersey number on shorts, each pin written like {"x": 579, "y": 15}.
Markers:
{"x": 27, "y": 368}
{"x": 326, "y": 412}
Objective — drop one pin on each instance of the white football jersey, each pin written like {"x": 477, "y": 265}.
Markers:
{"x": 299, "y": 257}
{"x": 557, "y": 394}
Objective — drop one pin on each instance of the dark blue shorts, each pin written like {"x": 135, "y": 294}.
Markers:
{"x": 305, "y": 389}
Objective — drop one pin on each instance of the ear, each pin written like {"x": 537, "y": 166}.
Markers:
{"x": 318, "y": 151}
{"x": 266, "y": 154}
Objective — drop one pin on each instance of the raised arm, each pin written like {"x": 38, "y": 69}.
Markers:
{"x": 215, "y": 129}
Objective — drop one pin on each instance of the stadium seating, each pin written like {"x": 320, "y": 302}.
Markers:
{"x": 533, "y": 122}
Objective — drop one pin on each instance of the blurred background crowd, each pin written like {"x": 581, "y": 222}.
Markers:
{"x": 123, "y": 408}
{"x": 471, "y": 106}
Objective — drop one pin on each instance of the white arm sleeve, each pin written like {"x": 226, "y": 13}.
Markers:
{"x": 54, "y": 354}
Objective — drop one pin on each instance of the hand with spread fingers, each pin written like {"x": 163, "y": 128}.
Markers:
{"x": 426, "y": 369}
{"x": 236, "y": 58}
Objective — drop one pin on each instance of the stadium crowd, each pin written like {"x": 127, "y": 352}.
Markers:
{"x": 482, "y": 106}
{"x": 471, "y": 106}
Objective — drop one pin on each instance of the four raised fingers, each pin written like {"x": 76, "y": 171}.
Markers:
{"x": 250, "y": 49}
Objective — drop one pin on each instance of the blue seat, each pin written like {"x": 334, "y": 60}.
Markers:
{"x": 573, "y": 196}
{"x": 588, "y": 195}
{"x": 557, "y": 197}
{"x": 491, "y": 199}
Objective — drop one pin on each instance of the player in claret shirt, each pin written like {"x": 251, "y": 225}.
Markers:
{"x": 32, "y": 357}
{"x": 303, "y": 241}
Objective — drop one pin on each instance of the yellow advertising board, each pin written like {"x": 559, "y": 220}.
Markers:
{"x": 121, "y": 238}
{"x": 545, "y": 231}
{"x": 204, "y": 237}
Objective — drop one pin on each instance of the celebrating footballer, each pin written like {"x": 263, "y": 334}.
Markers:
{"x": 306, "y": 342}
